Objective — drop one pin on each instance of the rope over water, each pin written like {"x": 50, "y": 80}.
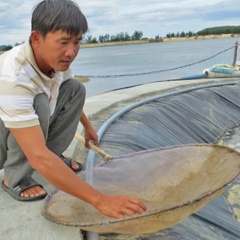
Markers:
{"x": 159, "y": 71}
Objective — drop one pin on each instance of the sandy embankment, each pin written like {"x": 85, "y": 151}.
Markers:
{"x": 201, "y": 37}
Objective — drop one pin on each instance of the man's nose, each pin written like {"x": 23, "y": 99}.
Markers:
{"x": 71, "y": 51}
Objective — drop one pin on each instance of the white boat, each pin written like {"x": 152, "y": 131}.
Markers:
{"x": 223, "y": 70}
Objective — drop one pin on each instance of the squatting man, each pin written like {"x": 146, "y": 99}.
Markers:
{"x": 41, "y": 105}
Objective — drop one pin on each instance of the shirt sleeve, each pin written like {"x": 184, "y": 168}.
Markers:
{"x": 16, "y": 103}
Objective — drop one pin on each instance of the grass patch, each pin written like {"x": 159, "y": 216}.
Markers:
{"x": 82, "y": 79}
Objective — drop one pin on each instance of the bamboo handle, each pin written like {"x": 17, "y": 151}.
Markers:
{"x": 94, "y": 148}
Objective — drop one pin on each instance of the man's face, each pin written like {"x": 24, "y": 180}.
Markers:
{"x": 56, "y": 51}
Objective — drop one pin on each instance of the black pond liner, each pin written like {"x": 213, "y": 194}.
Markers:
{"x": 198, "y": 116}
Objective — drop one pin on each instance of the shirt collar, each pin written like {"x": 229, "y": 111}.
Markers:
{"x": 31, "y": 59}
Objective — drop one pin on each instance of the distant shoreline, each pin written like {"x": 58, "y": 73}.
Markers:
{"x": 90, "y": 45}
{"x": 165, "y": 39}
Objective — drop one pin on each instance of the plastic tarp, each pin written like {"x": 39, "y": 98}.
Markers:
{"x": 201, "y": 116}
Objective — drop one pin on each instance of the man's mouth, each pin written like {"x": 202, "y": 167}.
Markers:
{"x": 68, "y": 62}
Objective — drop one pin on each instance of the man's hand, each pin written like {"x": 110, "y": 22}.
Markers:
{"x": 89, "y": 133}
{"x": 90, "y": 136}
{"x": 119, "y": 206}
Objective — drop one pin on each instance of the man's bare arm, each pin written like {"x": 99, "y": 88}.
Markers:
{"x": 49, "y": 165}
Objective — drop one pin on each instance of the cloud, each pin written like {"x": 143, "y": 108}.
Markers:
{"x": 15, "y": 19}
{"x": 222, "y": 12}
{"x": 152, "y": 17}
{"x": 159, "y": 16}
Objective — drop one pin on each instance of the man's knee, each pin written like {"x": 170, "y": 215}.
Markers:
{"x": 80, "y": 86}
{"x": 73, "y": 92}
{"x": 75, "y": 86}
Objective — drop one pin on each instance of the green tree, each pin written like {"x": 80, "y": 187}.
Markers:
{"x": 182, "y": 34}
{"x": 94, "y": 40}
{"x": 220, "y": 30}
{"x": 104, "y": 38}
{"x": 127, "y": 37}
{"x": 190, "y": 34}
{"x": 88, "y": 38}
{"x": 7, "y": 47}
{"x": 137, "y": 35}
{"x": 168, "y": 35}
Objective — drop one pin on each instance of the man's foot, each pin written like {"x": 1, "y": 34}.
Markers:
{"x": 27, "y": 190}
{"x": 75, "y": 166}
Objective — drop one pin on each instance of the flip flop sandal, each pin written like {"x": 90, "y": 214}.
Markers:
{"x": 68, "y": 162}
{"x": 24, "y": 184}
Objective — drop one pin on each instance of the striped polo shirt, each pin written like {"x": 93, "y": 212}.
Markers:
{"x": 20, "y": 81}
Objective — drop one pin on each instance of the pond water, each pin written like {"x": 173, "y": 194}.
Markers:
{"x": 113, "y": 67}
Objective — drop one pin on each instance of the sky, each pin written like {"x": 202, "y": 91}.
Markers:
{"x": 151, "y": 17}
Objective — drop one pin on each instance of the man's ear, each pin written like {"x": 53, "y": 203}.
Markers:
{"x": 35, "y": 37}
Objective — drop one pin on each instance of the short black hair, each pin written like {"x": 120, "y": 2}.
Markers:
{"x": 53, "y": 15}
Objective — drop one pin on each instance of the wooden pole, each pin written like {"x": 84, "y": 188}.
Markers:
{"x": 235, "y": 54}
{"x": 96, "y": 149}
